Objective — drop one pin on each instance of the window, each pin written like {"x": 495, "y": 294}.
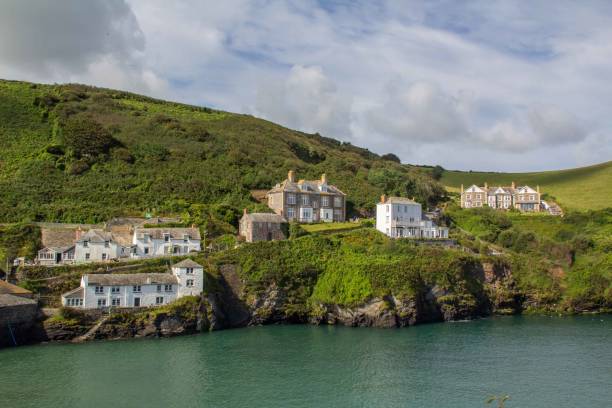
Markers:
{"x": 189, "y": 283}
{"x": 159, "y": 300}
{"x": 166, "y": 237}
{"x": 136, "y": 289}
{"x": 337, "y": 214}
{"x": 189, "y": 271}
{"x": 176, "y": 250}
{"x": 337, "y": 201}
{"x": 87, "y": 255}
{"x": 186, "y": 238}
{"x": 116, "y": 302}
{"x": 185, "y": 249}
{"x": 291, "y": 199}
{"x": 325, "y": 201}
{"x": 101, "y": 302}
{"x": 104, "y": 257}
{"x": 159, "y": 288}
{"x": 168, "y": 288}
{"x": 305, "y": 199}
{"x": 106, "y": 244}
{"x": 115, "y": 289}
{"x": 85, "y": 244}
{"x": 99, "y": 290}
{"x": 306, "y": 213}
{"x": 74, "y": 302}
{"x": 290, "y": 212}
{"x": 146, "y": 251}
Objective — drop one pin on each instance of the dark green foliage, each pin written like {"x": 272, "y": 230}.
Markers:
{"x": 85, "y": 137}
{"x": 437, "y": 172}
{"x": 307, "y": 154}
{"x": 296, "y": 231}
{"x": 391, "y": 157}
{"x": 18, "y": 240}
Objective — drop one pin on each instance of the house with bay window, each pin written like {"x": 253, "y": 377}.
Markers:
{"x": 522, "y": 198}
{"x": 307, "y": 200}
{"x": 137, "y": 289}
{"x": 400, "y": 217}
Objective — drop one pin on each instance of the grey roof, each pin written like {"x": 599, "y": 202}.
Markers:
{"x": 9, "y": 288}
{"x": 74, "y": 293}
{"x": 265, "y": 217}
{"x": 303, "y": 186}
{"x": 12, "y": 300}
{"x": 399, "y": 200}
{"x": 96, "y": 235}
{"x": 175, "y": 233}
{"x": 126, "y": 279}
{"x": 187, "y": 263}
{"x": 57, "y": 238}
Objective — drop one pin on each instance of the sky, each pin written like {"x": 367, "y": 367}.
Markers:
{"x": 470, "y": 85}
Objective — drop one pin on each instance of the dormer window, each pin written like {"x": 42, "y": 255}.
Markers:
{"x": 85, "y": 244}
{"x": 106, "y": 244}
{"x": 186, "y": 238}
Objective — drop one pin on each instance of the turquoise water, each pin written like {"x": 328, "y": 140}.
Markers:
{"x": 538, "y": 361}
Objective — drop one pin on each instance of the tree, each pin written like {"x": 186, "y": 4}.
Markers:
{"x": 391, "y": 157}
{"x": 437, "y": 172}
{"x": 85, "y": 137}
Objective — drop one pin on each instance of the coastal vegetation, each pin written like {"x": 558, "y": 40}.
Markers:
{"x": 584, "y": 188}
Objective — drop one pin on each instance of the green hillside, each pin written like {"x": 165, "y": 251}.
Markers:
{"x": 76, "y": 153}
{"x": 580, "y": 189}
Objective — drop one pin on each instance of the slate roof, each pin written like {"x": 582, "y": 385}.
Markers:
{"x": 399, "y": 200}
{"x": 96, "y": 235}
{"x": 187, "y": 263}
{"x": 9, "y": 288}
{"x": 265, "y": 217}
{"x": 175, "y": 233}
{"x": 305, "y": 186}
{"x": 12, "y": 300}
{"x": 74, "y": 293}
{"x": 127, "y": 279}
{"x": 57, "y": 238}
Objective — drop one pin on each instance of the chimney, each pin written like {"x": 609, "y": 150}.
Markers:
{"x": 462, "y": 189}
{"x": 193, "y": 226}
{"x": 513, "y": 185}
{"x": 538, "y": 188}
{"x": 77, "y": 233}
{"x": 486, "y": 185}
{"x": 244, "y": 211}
{"x": 383, "y": 199}
{"x": 323, "y": 178}
{"x": 291, "y": 176}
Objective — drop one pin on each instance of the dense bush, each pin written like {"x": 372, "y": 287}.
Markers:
{"x": 85, "y": 137}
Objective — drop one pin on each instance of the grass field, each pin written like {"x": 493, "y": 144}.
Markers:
{"x": 331, "y": 226}
{"x": 585, "y": 188}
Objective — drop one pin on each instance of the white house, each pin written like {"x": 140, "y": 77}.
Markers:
{"x": 97, "y": 245}
{"x": 137, "y": 289}
{"x": 165, "y": 241}
{"x": 399, "y": 217}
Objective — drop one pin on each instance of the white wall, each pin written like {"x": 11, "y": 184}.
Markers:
{"x": 147, "y": 295}
{"x": 160, "y": 247}
{"x": 183, "y": 276}
{"x": 96, "y": 250}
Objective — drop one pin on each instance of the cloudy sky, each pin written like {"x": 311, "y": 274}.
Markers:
{"x": 481, "y": 85}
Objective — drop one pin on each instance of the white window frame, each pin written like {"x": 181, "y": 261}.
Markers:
{"x": 291, "y": 199}
{"x": 337, "y": 201}
{"x": 189, "y": 283}
{"x": 159, "y": 300}
{"x": 99, "y": 290}
{"x": 324, "y": 201}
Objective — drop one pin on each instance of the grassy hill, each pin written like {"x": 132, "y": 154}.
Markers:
{"x": 579, "y": 189}
{"x": 75, "y": 153}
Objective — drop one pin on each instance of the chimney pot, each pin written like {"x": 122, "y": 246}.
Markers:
{"x": 291, "y": 176}
{"x": 383, "y": 198}
{"x": 513, "y": 184}
{"x": 324, "y": 178}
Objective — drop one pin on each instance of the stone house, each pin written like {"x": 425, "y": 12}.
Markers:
{"x": 137, "y": 289}
{"x": 98, "y": 245}
{"x": 523, "y": 198}
{"x": 307, "y": 200}
{"x": 262, "y": 227}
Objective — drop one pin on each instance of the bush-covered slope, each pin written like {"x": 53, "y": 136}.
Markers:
{"x": 585, "y": 188}
{"x": 81, "y": 154}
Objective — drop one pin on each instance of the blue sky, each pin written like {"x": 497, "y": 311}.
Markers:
{"x": 481, "y": 85}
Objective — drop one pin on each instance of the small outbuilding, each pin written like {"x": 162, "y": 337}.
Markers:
{"x": 262, "y": 227}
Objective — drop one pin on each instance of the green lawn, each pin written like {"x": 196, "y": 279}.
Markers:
{"x": 585, "y": 188}
{"x": 331, "y": 226}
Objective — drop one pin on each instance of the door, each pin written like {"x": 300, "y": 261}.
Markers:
{"x": 136, "y": 302}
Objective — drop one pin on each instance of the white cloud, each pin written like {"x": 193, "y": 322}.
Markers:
{"x": 524, "y": 87}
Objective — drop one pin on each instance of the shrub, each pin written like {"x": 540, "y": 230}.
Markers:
{"x": 86, "y": 137}
{"x": 77, "y": 167}
{"x": 391, "y": 157}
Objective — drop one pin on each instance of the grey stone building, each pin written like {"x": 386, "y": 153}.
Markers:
{"x": 262, "y": 227}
